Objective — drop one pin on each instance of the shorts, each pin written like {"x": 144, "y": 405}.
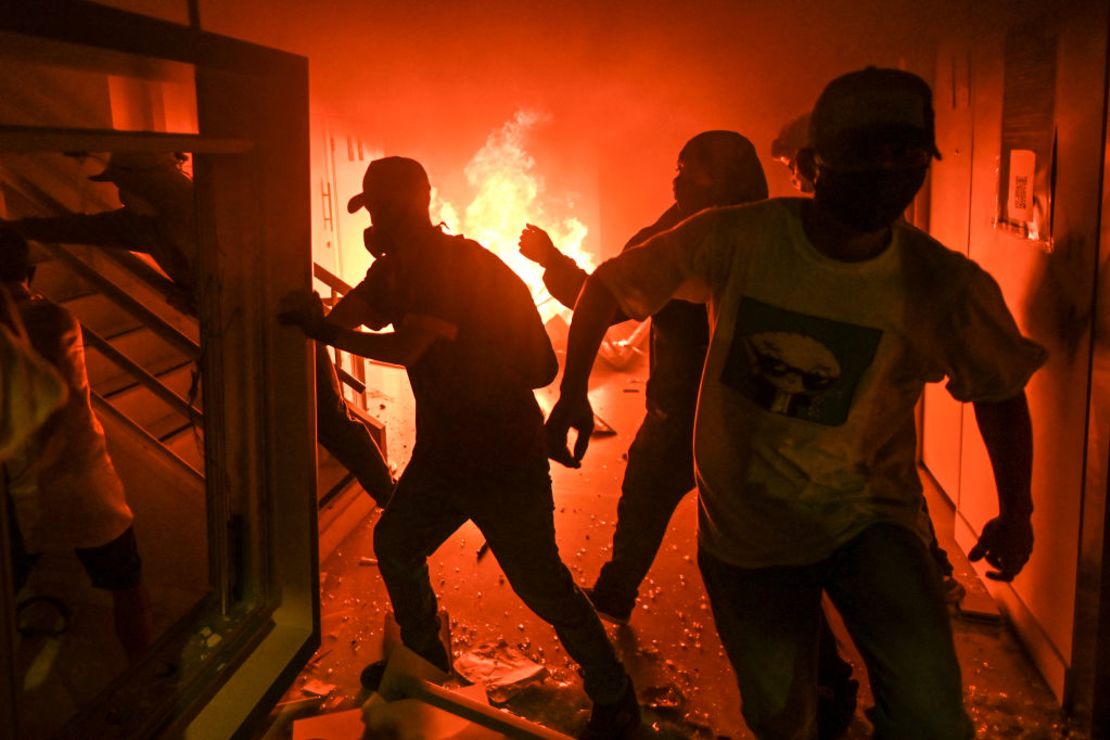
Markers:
{"x": 115, "y": 566}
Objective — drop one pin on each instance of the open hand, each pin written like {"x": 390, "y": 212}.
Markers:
{"x": 304, "y": 310}
{"x": 569, "y": 412}
{"x": 536, "y": 245}
{"x": 1006, "y": 544}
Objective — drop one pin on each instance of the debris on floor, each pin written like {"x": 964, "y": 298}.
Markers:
{"x": 316, "y": 687}
{"x": 501, "y": 668}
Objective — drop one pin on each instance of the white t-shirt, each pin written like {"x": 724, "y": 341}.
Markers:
{"x": 805, "y": 428}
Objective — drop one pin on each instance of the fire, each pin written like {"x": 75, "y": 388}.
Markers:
{"x": 509, "y": 195}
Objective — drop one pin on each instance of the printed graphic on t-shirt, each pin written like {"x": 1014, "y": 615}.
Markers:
{"x": 798, "y": 365}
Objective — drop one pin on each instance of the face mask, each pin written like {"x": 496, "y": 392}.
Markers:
{"x": 869, "y": 200}
{"x": 374, "y": 242}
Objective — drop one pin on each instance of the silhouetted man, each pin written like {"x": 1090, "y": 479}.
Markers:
{"x": 466, "y": 330}
{"x": 827, "y": 318}
{"x": 715, "y": 168}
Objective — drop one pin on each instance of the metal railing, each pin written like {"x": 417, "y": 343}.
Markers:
{"x": 356, "y": 377}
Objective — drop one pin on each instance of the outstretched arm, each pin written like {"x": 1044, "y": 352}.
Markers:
{"x": 118, "y": 229}
{"x": 673, "y": 263}
{"x": 561, "y": 275}
{"x": 405, "y": 346}
{"x": 593, "y": 313}
{"x": 1007, "y": 540}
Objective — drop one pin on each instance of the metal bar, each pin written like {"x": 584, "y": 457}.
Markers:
{"x": 334, "y": 282}
{"x": 103, "y": 409}
{"x": 348, "y": 379}
{"x": 104, "y": 347}
{"x": 23, "y": 139}
{"x": 96, "y": 25}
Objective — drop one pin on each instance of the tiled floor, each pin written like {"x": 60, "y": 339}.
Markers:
{"x": 670, "y": 646}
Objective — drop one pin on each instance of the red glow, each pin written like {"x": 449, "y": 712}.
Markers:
{"x": 508, "y": 193}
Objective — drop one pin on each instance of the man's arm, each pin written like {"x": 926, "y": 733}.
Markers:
{"x": 352, "y": 312}
{"x": 118, "y": 229}
{"x": 562, "y": 276}
{"x": 403, "y": 347}
{"x": 644, "y": 279}
{"x": 593, "y": 313}
{"x": 1007, "y": 540}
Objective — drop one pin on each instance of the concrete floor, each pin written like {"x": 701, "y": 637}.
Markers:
{"x": 670, "y": 647}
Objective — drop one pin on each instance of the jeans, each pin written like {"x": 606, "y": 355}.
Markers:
{"x": 345, "y": 437}
{"x": 514, "y": 511}
{"x": 660, "y": 472}
{"x": 887, "y": 589}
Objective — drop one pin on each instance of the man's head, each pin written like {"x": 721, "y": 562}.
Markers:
{"x": 871, "y": 141}
{"x": 15, "y": 258}
{"x": 149, "y": 182}
{"x": 718, "y": 168}
{"x": 396, "y": 193}
{"x": 792, "y": 138}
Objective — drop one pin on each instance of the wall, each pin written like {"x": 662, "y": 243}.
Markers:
{"x": 1049, "y": 289}
{"x": 625, "y": 84}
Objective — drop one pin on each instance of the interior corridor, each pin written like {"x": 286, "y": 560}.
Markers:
{"x": 671, "y": 648}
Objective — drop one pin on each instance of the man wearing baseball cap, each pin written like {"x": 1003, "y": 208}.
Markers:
{"x": 466, "y": 330}
{"x": 157, "y": 218}
{"x": 827, "y": 318}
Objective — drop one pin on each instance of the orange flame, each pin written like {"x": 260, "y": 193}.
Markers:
{"x": 509, "y": 195}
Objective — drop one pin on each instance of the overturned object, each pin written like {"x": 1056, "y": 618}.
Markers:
{"x": 408, "y": 676}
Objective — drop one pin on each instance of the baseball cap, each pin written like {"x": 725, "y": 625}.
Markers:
{"x": 862, "y": 104}
{"x": 391, "y": 174}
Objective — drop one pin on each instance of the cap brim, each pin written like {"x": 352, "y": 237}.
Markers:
{"x": 356, "y": 203}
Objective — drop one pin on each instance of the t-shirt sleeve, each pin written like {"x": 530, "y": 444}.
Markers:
{"x": 377, "y": 292}
{"x": 405, "y": 290}
{"x": 684, "y": 262}
{"x": 563, "y": 279}
{"x": 986, "y": 356}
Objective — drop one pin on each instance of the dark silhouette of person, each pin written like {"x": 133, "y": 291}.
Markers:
{"x": 834, "y": 300}
{"x": 61, "y": 487}
{"x": 715, "y": 168}
{"x": 467, "y": 332}
{"x": 158, "y": 217}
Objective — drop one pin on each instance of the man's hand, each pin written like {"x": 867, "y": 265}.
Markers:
{"x": 537, "y": 246}
{"x": 304, "y": 310}
{"x": 1006, "y": 544}
{"x": 570, "y": 412}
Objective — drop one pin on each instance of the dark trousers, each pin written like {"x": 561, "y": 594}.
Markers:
{"x": 888, "y": 591}
{"x": 514, "y": 511}
{"x": 345, "y": 437}
{"x": 660, "y": 472}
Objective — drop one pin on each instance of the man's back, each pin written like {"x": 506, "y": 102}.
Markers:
{"x": 473, "y": 392}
